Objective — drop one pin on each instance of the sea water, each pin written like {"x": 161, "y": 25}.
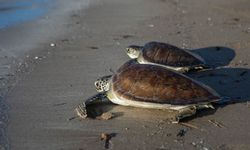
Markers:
{"x": 24, "y": 26}
{"x": 17, "y": 11}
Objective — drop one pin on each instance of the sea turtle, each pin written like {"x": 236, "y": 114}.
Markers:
{"x": 166, "y": 55}
{"x": 151, "y": 86}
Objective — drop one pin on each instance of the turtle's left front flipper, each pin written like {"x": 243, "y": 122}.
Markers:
{"x": 81, "y": 109}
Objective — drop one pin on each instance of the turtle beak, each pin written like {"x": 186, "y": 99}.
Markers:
{"x": 97, "y": 85}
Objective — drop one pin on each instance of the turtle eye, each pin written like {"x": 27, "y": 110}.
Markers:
{"x": 128, "y": 50}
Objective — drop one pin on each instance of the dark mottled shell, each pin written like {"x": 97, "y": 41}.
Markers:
{"x": 166, "y": 54}
{"x": 150, "y": 83}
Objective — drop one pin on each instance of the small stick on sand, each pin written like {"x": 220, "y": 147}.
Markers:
{"x": 107, "y": 137}
{"x": 189, "y": 125}
{"x": 216, "y": 123}
{"x": 72, "y": 118}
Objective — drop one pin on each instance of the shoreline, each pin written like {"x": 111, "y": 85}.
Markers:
{"x": 20, "y": 55}
{"x": 43, "y": 101}
{"x": 17, "y": 51}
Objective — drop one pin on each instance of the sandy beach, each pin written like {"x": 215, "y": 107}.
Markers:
{"x": 53, "y": 80}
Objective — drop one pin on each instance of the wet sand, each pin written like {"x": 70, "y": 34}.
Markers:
{"x": 42, "y": 102}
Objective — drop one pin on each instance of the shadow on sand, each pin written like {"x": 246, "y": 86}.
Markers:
{"x": 231, "y": 83}
{"x": 228, "y": 82}
{"x": 216, "y": 56}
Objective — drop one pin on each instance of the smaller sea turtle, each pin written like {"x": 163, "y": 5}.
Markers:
{"x": 151, "y": 86}
{"x": 166, "y": 55}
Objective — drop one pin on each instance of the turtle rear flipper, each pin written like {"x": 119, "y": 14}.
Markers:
{"x": 183, "y": 113}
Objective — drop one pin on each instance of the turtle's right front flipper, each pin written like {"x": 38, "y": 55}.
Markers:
{"x": 81, "y": 109}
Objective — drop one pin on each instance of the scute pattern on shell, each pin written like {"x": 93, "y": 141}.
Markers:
{"x": 152, "y": 83}
{"x": 166, "y": 54}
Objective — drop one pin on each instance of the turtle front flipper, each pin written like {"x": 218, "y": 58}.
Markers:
{"x": 81, "y": 109}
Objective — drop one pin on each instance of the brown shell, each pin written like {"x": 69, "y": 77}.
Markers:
{"x": 166, "y": 54}
{"x": 150, "y": 83}
{"x": 127, "y": 64}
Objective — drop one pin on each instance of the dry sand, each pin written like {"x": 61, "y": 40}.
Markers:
{"x": 42, "y": 103}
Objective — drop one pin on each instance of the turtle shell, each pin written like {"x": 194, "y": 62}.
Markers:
{"x": 166, "y": 54}
{"x": 127, "y": 64}
{"x": 150, "y": 83}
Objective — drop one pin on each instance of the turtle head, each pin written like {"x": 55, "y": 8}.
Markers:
{"x": 102, "y": 84}
{"x": 133, "y": 51}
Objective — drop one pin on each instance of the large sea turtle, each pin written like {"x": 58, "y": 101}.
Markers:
{"x": 166, "y": 55}
{"x": 151, "y": 86}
